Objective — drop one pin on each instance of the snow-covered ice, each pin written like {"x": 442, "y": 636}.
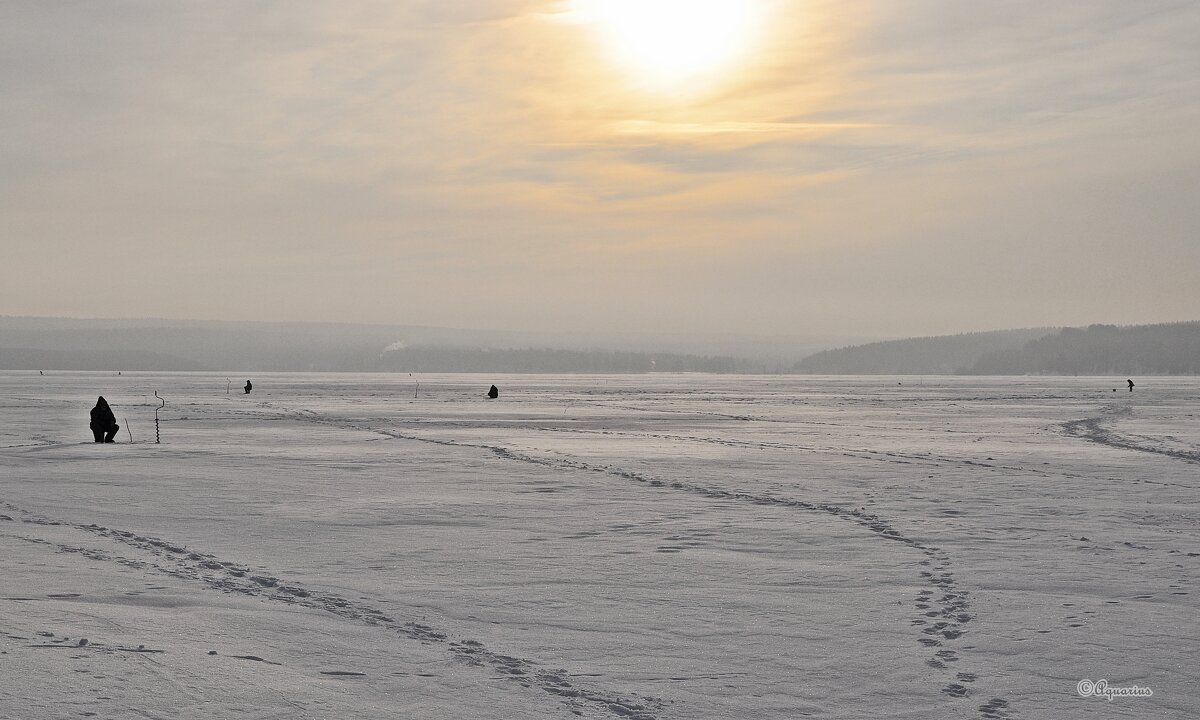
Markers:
{"x": 662, "y": 546}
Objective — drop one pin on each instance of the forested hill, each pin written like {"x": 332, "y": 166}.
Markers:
{"x": 1164, "y": 349}
{"x": 1167, "y": 349}
{"x": 947, "y": 354}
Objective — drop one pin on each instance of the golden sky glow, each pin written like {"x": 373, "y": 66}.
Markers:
{"x": 674, "y": 43}
{"x": 877, "y": 167}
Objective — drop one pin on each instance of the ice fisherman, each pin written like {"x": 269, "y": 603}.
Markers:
{"x": 494, "y": 392}
{"x": 1130, "y": 385}
{"x": 104, "y": 423}
{"x": 248, "y": 387}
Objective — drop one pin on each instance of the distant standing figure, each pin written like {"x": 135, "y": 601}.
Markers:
{"x": 248, "y": 387}
{"x": 493, "y": 393}
{"x": 104, "y": 423}
{"x": 1130, "y": 385}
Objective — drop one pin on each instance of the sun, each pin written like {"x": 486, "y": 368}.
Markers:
{"x": 674, "y": 42}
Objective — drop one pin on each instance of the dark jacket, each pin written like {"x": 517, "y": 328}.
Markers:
{"x": 102, "y": 416}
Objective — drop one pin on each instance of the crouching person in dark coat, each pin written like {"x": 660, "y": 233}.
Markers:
{"x": 104, "y": 423}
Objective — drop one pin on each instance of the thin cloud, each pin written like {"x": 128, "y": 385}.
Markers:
{"x": 658, "y": 128}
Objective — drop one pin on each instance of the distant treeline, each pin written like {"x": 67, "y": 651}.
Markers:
{"x": 1164, "y": 349}
{"x": 100, "y": 359}
{"x": 112, "y": 345}
{"x": 431, "y": 358}
{"x": 184, "y": 349}
{"x": 423, "y": 358}
{"x": 297, "y": 349}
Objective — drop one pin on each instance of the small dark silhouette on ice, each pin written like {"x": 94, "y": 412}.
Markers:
{"x": 248, "y": 387}
{"x": 493, "y": 393}
{"x": 1130, "y": 385}
{"x": 104, "y": 423}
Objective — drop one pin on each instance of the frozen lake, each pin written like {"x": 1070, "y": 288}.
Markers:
{"x": 664, "y": 546}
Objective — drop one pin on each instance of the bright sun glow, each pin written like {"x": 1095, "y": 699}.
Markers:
{"x": 671, "y": 42}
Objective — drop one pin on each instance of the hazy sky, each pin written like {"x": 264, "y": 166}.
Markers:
{"x": 874, "y": 168}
